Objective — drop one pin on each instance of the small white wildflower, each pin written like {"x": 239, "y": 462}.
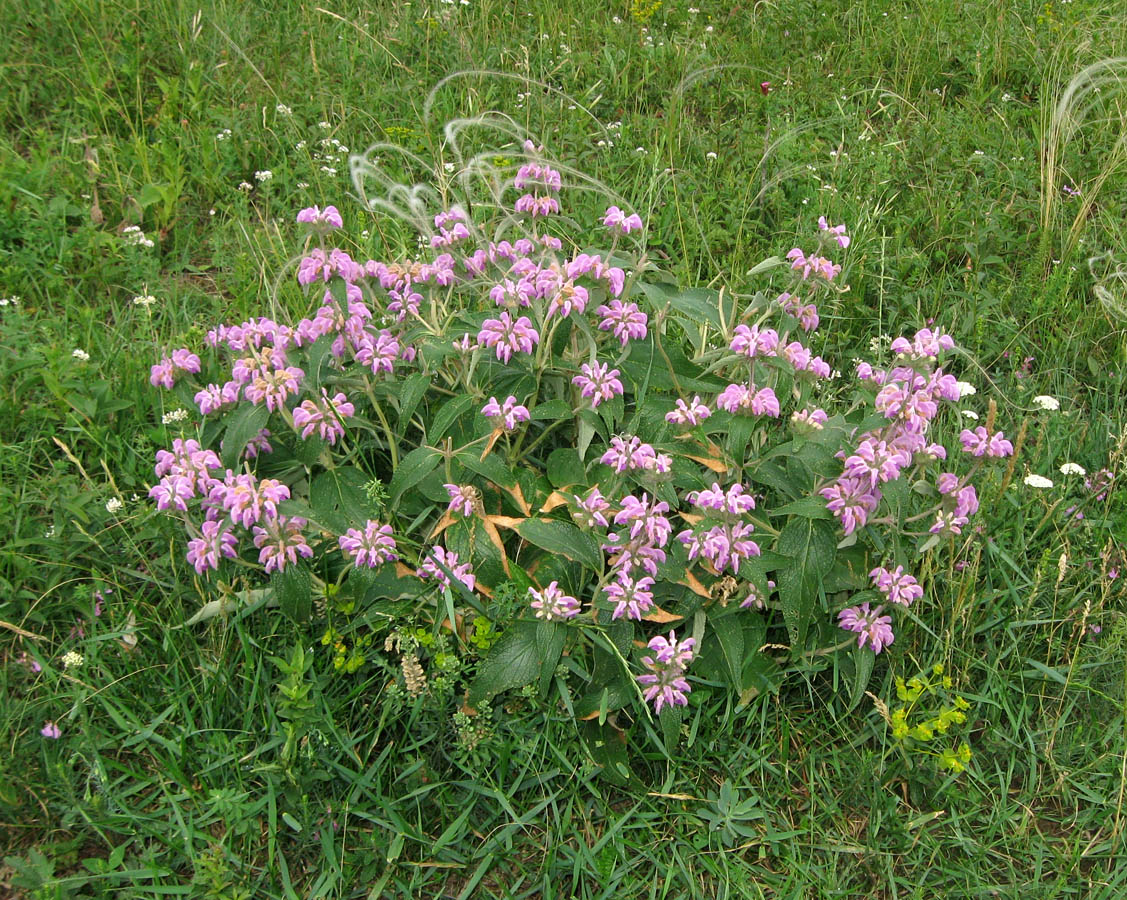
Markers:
{"x": 145, "y": 300}
{"x": 365, "y": 234}
{"x": 302, "y": 185}
{"x": 211, "y": 212}
{"x": 639, "y": 149}
{"x": 173, "y": 416}
{"x": 1006, "y": 98}
{"x": 1038, "y": 481}
{"x": 693, "y": 10}
{"x": 966, "y": 389}
{"x": 1071, "y": 468}
{"x": 970, "y": 414}
{"x": 50, "y": 532}
{"x": 13, "y": 301}
{"x": 616, "y": 20}
{"x": 1044, "y": 401}
{"x": 133, "y": 498}
{"x": 708, "y": 29}
{"x": 448, "y": 167}
{"x": 135, "y": 237}
{"x": 114, "y": 504}
{"x": 283, "y": 110}
{"x": 224, "y": 135}
{"x": 300, "y": 145}
{"x": 324, "y": 126}
{"x": 245, "y": 186}
{"x": 263, "y": 175}
{"x": 711, "y": 154}
{"x": 72, "y": 659}
{"x": 80, "y": 355}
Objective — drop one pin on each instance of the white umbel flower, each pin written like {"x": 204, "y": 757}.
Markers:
{"x": 1071, "y": 468}
{"x": 1038, "y": 481}
{"x": 1044, "y": 401}
{"x": 966, "y": 389}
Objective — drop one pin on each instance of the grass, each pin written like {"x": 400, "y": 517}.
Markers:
{"x": 937, "y": 133}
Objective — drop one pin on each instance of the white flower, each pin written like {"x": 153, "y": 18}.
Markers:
{"x": 283, "y": 110}
{"x": 970, "y": 414}
{"x": 1071, "y": 468}
{"x": 114, "y": 504}
{"x": 14, "y": 301}
{"x": 302, "y": 185}
{"x": 245, "y": 186}
{"x": 448, "y": 167}
{"x": 80, "y": 355}
{"x": 224, "y": 135}
{"x": 135, "y": 237}
{"x": 300, "y": 145}
{"x": 263, "y": 175}
{"x": 1044, "y": 401}
{"x": 1038, "y": 481}
{"x": 711, "y": 154}
{"x": 325, "y": 126}
{"x": 72, "y": 659}
{"x": 146, "y": 300}
{"x": 173, "y": 416}
{"x": 966, "y": 389}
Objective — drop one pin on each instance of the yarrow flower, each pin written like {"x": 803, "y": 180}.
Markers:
{"x": 664, "y": 682}
{"x": 440, "y": 557}
{"x": 1071, "y": 468}
{"x": 1046, "y": 402}
{"x": 871, "y": 627}
{"x": 72, "y": 659}
{"x": 1038, "y": 481}
{"x": 552, "y": 603}
{"x": 598, "y": 383}
{"x": 506, "y": 415}
{"x": 371, "y": 547}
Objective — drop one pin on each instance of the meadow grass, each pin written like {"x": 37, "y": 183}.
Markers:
{"x": 936, "y": 132}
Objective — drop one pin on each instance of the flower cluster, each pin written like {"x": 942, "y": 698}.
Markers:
{"x": 664, "y": 682}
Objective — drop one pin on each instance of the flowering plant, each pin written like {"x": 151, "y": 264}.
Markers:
{"x": 519, "y": 407}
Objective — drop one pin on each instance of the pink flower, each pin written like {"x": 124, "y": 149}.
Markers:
{"x": 629, "y": 452}
{"x": 433, "y": 567}
{"x": 552, "y": 603}
{"x": 537, "y": 205}
{"x": 616, "y": 220}
{"x": 506, "y": 415}
{"x": 327, "y": 218}
{"x": 870, "y": 626}
{"x": 754, "y": 598}
{"x": 324, "y": 417}
{"x": 752, "y": 342}
{"x": 249, "y": 500}
{"x": 665, "y": 681}
{"x": 688, "y": 413}
{"x": 837, "y": 232}
{"x": 214, "y": 542}
{"x": 371, "y": 547}
{"x": 852, "y": 500}
{"x": 589, "y": 511}
{"x": 625, "y": 320}
{"x": 979, "y": 443}
{"x": 462, "y": 499}
{"x": 633, "y": 599}
{"x": 598, "y": 382}
{"x": 51, "y": 731}
{"x": 508, "y": 336}
{"x": 897, "y": 585}
{"x": 281, "y": 542}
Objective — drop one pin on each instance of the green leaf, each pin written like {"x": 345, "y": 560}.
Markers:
{"x": 808, "y": 507}
{"x": 449, "y": 413}
{"x": 339, "y": 498}
{"x": 565, "y": 468}
{"x": 811, "y": 546}
{"x": 414, "y": 389}
{"x": 863, "y": 660}
{"x": 244, "y": 424}
{"x": 294, "y": 589}
{"x": 562, "y": 538}
{"x": 550, "y": 639}
{"x": 730, "y": 632}
{"x": 513, "y": 662}
{"x": 412, "y": 469}
{"x": 552, "y": 409}
{"x": 670, "y": 719}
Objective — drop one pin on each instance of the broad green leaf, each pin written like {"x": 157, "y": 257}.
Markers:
{"x": 412, "y": 469}
{"x": 414, "y": 388}
{"x": 513, "y": 662}
{"x": 562, "y": 538}
{"x": 565, "y": 468}
{"x": 552, "y": 409}
{"x": 451, "y": 410}
{"x": 729, "y": 629}
{"x": 862, "y": 660}
{"x": 245, "y": 423}
{"x": 293, "y": 587}
{"x": 808, "y": 507}
{"x": 811, "y": 545}
{"x": 339, "y": 498}
{"x": 670, "y": 718}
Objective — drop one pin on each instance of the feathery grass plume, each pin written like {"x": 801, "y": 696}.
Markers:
{"x": 1090, "y": 103}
